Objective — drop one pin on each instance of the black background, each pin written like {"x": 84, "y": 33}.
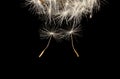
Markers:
{"x": 95, "y": 46}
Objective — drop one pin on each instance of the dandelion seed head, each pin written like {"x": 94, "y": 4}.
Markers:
{"x": 51, "y": 33}
{"x": 72, "y": 9}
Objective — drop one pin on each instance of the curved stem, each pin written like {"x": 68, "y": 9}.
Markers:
{"x": 45, "y": 47}
{"x": 73, "y": 46}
